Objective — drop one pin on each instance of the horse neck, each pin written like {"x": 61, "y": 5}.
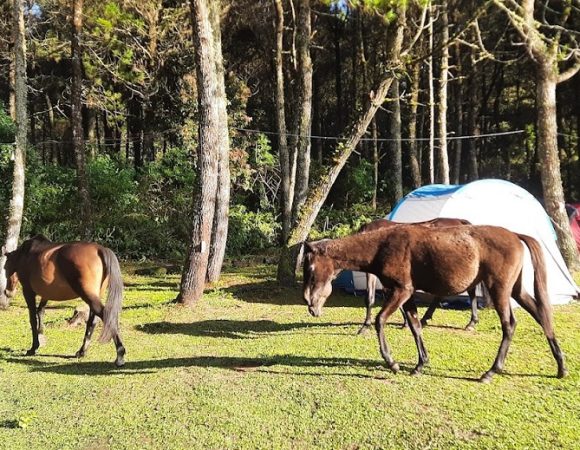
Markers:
{"x": 354, "y": 252}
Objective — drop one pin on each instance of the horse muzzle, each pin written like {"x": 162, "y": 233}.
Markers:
{"x": 314, "y": 312}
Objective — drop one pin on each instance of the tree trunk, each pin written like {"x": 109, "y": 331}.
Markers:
{"x": 220, "y": 223}
{"x": 550, "y": 162}
{"x": 210, "y": 137}
{"x": 375, "y": 163}
{"x": 304, "y": 107}
{"x": 414, "y": 161}
{"x": 77, "y": 119}
{"x": 287, "y": 181}
{"x": 431, "y": 101}
{"x": 395, "y": 172}
{"x": 16, "y": 206}
{"x": 443, "y": 157}
{"x": 288, "y": 265}
{"x": 473, "y": 123}
{"x": 456, "y": 168}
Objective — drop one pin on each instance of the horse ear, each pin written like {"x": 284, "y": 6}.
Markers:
{"x": 308, "y": 248}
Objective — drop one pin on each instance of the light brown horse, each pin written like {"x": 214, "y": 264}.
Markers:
{"x": 442, "y": 261}
{"x": 372, "y": 280}
{"x": 66, "y": 271}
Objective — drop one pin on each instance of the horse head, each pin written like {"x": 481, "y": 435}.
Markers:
{"x": 319, "y": 271}
{"x": 10, "y": 268}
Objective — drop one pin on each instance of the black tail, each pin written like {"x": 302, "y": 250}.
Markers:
{"x": 114, "y": 297}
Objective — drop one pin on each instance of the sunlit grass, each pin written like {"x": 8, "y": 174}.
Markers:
{"x": 249, "y": 368}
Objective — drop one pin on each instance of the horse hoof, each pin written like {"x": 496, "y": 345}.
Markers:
{"x": 120, "y": 362}
{"x": 42, "y": 340}
{"x": 485, "y": 378}
{"x": 79, "y": 354}
{"x": 562, "y": 373}
{"x": 364, "y": 331}
{"x": 415, "y": 372}
{"x": 31, "y": 352}
{"x": 394, "y": 367}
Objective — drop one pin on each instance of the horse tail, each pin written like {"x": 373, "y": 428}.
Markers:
{"x": 112, "y": 309}
{"x": 541, "y": 296}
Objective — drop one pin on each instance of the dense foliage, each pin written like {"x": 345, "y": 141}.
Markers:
{"x": 140, "y": 115}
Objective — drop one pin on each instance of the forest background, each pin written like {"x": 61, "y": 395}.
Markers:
{"x": 335, "y": 110}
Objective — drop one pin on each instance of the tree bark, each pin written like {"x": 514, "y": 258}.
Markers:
{"x": 473, "y": 123}
{"x": 414, "y": 160}
{"x": 304, "y": 106}
{"x": 77, "y": 120}
{"x": 16, "y": 206}
{"x": 287, "y": 178}
{"x": 431, "y": 101}
{"x": 220, "y": 223}
{"x": 395, "y": 172}
{"x": 456, "y": 167}
{"x": 443, "y": 156}
{"x": 195, "y": 268}
{"x": 554, "y": 200}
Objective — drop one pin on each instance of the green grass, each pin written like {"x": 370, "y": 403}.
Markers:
{"x": 249, "y": 368}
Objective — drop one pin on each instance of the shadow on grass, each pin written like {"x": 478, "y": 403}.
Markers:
{"x": 270, "y": 292}
{"x": 144, "y": 286}
{"x": 239, "y": 364}
{"x": 232, "y": 329}
{"x": 9, "y": 424}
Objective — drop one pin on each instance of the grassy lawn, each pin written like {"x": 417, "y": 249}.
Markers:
{"x": 249, "y": 368}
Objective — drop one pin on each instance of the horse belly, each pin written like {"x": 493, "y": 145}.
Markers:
{"x": 448, "y": 271}
{"x": 55, "y": 289}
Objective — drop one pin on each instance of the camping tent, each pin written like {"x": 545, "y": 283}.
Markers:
{"x": 487, "y": 202}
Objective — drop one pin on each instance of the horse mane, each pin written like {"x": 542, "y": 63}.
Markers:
{"x": 36, "y": 243}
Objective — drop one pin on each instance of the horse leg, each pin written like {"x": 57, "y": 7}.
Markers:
{"x": 429, "y": 313}
{"x": 40, "y": 315}
{"x": 411, "y": 310}
{"x": 369, "y": 302}
{"x": 88, "y": 333}
{"x": 544, "y": 319}
{"x": 97, "y": 309}
{"x": 30, "y": 298}
{"x": 395, "y": 299}
{"x": 508, "y": 326}
{"x": 474, "y": 317}
{"x": 405, "y": 323}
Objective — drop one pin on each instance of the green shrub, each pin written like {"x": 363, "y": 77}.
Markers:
{"x": 251, "y": 232}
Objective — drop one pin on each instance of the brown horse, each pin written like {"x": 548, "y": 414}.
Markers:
{"x": 442, "y": 261}
{"x": 372, "y": 280}
{"x": 63, "y": 272}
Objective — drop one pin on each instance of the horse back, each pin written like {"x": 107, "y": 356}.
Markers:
{"x": 448, "y": 260}
{"x": 65, "y": 271}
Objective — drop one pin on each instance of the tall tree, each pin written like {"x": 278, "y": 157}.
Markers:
{"x": 16, "y": 206}
{"x": 414, "y": 160}
{"x": 287, "y": 166}
{"x": 302, "y": 151}
{"x": 442, "y": 155}
{"x": 395, "y": 172}
{"x": 77, "y": 119}
{"x": 548, "y": 43}
{"x": 220, "y": 221}
{"x": 194, "y": 273}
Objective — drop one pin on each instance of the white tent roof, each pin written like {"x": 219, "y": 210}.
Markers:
{"x": 490, "y": 202}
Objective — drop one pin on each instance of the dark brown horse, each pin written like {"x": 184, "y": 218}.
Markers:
{"x": 372, "y": 280}
{"x": 63, "y": 272}
{"x": 442, "y": 261}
